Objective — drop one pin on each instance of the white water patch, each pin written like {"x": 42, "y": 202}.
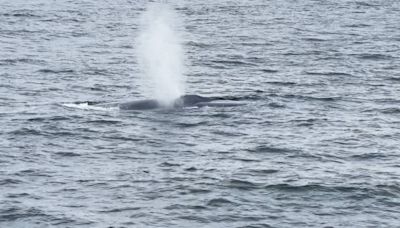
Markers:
{"x": 86, "y": 106}
{"x": 160, "y": 53}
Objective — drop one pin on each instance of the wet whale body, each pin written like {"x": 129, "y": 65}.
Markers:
{"x": 183, "y": 101}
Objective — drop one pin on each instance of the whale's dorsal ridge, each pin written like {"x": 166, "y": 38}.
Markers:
{"x": 140, "y": 105}
{"x": 189, "y": 100}
{"x": 183, "y": 101}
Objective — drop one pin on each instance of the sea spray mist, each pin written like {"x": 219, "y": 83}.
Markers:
{"x": 160, "y": 53}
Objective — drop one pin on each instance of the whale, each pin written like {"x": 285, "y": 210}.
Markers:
{"x": 181, "y": 102}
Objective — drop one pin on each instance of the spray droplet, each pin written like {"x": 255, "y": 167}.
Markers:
{"x": 161, "y": 54}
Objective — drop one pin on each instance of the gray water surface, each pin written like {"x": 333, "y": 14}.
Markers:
{"x": 316, "y": 145}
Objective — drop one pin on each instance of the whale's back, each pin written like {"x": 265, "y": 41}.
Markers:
{"x": 183, "y": 101}
{"x": 140, "y": 105}
{"x": 190, "y": 100}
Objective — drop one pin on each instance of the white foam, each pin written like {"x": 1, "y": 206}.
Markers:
{"x": 86, "y": 106}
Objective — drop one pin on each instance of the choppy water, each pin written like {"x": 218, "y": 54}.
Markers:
{"x": 317, "y": 144}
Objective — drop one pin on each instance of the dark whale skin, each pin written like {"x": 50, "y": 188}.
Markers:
{"x": 140, "y": 105}
{"x": 183, "y": 101}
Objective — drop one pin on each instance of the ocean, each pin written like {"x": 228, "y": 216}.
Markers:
{"x": 316, "y": 143}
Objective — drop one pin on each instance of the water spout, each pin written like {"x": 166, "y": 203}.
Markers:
{"x": 160, "y": 53}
